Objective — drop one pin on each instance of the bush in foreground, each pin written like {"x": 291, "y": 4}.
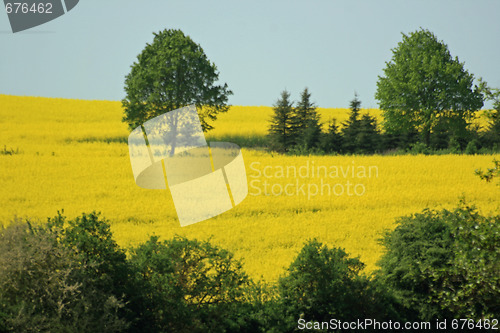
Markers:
{"x": 445, "y": 264}
{"x": 71, "y": 276}
{"x": 324, "y": 283}
{"x": 190, "y": 286}
{"x": 44, "y": 286}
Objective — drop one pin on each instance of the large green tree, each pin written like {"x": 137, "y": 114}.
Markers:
{"x": 423, "y": 83}
{"x": 171, "y": 72}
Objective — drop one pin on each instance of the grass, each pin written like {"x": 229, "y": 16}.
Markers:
{"x": 9, "y": 151}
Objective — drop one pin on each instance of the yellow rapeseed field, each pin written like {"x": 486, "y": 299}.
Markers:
{"x": 73, "y": 156}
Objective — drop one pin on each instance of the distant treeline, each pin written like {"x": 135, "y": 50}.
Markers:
{"x": 71, "y": 276}
{"x": 428, "y": 101}
{"x": 296, "y": 129}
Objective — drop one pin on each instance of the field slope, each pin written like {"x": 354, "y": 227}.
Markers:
{"x": 71, "y": 154}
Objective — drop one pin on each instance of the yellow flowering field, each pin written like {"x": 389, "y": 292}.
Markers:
{"x": 72, "y": 155}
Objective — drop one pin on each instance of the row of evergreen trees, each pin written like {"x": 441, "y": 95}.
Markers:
{"x": 294, "y": 126}
{"x": 298, "y": 129}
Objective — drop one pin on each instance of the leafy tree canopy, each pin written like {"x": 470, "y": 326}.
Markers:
{"x": 171, "y": 72}
{"x": 423, "y": 83}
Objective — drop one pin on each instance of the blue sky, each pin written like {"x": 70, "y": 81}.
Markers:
{"x": 259, "y": 47}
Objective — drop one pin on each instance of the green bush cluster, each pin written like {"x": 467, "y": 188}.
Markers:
{"x": 445, "y": 264}
{"x": 71, "y": 276}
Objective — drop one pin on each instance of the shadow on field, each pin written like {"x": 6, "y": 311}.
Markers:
{"x": 94, "y": 139}
{"x": 244, "y": 141}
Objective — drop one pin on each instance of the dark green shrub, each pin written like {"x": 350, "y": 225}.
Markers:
{"x": 444, "y": 264}
{"x": 324, "y": 283}
{"x": 420, "y": 242}
{"x": 262, "y": 308}
{"x": 440, "y": 135}
{"x": 472, "y": 147}
{"x": 368, "y": 140}
{"x": 331, "y": 141}
{"x": 107, "y": 270}
{"x": 455, "y": 145}
{"x": 470, "y": 286}
{"x": 191, "y": 286}
{"x": 419, "y": 148}
{"x": 43, "y": 285}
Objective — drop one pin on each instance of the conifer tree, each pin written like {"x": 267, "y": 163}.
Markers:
{"x": 331, "y": 141}
{"x": 352, "y": 126}
{"x": 281, "y": 124}
{"x": 368, "y": 139}
{"x": 306, "y": 125}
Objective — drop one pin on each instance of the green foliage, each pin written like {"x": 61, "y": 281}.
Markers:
{"x": 247, "y": 141}
{"x": 424, "y": 83}
{"x": 491, "y": 94}
{"x": 444, "y": 264}
{"x": 306, "y": 127}
{"x": 281, "y": 128}
{"x": 440, "y": 136}
{"x": 295, "y": 129}
{"x": 470, "y": 287}
{"x": 172, "y": 72}
{"x": 263, "y": 309}
{"x": 352, "y": 127}
{"x": 368, "y": 139}
{"x": 454, "y": 146}
{"x": 107, "y": 269}
{"x": 45, "y": 287}
{"x": 331, "y": 141}
{"x": 490, "y": 173}
{"x": 191, "y": 286}
{"x": 472, "y": 147}
{"x": 419, "y": 148}
{"x": 71, "y": 276}
{"x": 491, "y": 136}
{"x": 360, "y": 135}
{"x": 419, "y": 243}
{"x": 324, "y": 283}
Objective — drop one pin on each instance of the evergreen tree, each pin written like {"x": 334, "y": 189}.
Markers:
{"x": 352, "y": 127}
{"x": 368, "y": 139}
{"x": 306, "y": 125}
{"x": 331, "y": 141}
{"x": 281, "y": 124}
{"x": 312, "y": 134}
